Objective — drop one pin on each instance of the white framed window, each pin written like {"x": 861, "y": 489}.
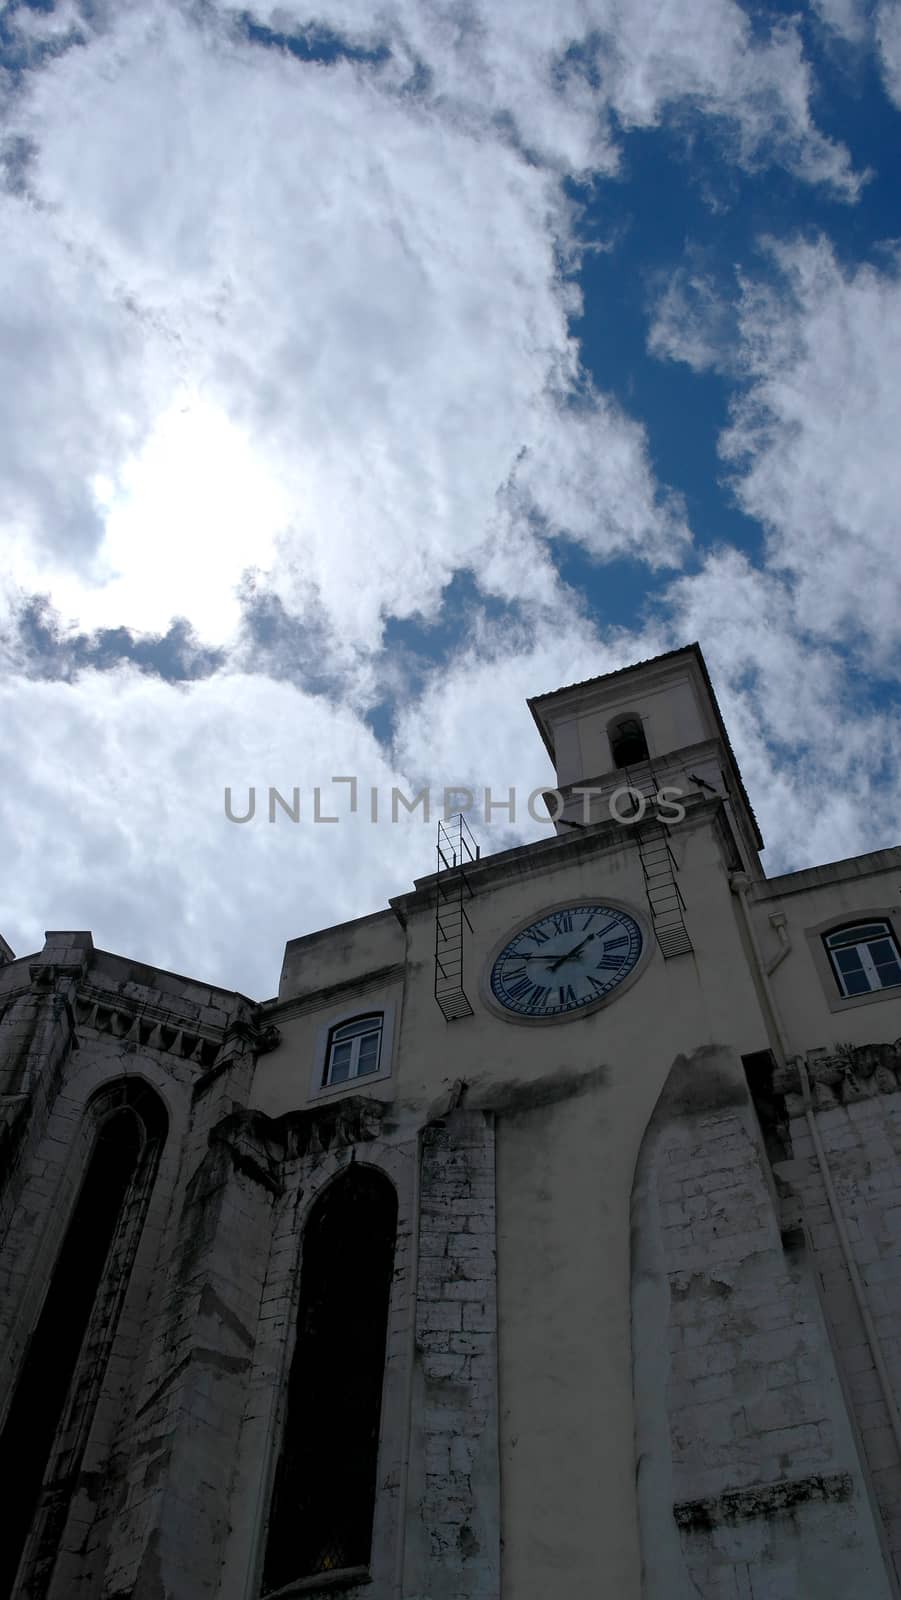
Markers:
{"x": 864, "y": 958}
{"x": 354, "y": 1049}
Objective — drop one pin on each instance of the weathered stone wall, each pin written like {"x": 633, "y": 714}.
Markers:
{"x": 453, "y": 1512}
{"x": 852, "y": 1215}
{"x": 169, "y": 1539}
{"x": 37, "y": 1035}
{"x": 317, "y": 1146}
{"x": 172, "y": 1496}
{"x": 77, "y": 1021}
{"x": 750, "y": 1480}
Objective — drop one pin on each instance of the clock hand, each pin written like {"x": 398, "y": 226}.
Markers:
{"x": 570, "y": 953}
{"x": 599, "y": 934}
{"x": 538, "y": 958}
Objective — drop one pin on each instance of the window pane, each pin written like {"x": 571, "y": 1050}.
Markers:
{"x": 889, "y": 973}
{"x": 368, "y": 1059}
{"x": 340, "y": 1062}
{"x": 849, "y": 961}
{"x": 350, "y": 1030}
{"x": 859, "y": 935}
{"x": 856, "y": 983}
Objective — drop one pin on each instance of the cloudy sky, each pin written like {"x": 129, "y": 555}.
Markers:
{"x": 369, "y": 367}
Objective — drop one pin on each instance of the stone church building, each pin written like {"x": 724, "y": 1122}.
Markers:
{"x": 541, "y": 1238}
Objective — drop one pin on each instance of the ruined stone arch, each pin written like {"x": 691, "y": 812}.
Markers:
{"x": 60, "y": 1379}
{"x": 324, "y": 1489}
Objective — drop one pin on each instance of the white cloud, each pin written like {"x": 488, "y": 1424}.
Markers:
{"x": 377, "y": 326}
{"x": 848, "y": 18}
{"x": 814, "y": 759}
{"x": 876, "y": 26}
{"x": 113, "y": 809}
{"x": 569, "y": 76}
{"x": 372, "y": 322}
{"x": 888, "y": 35}
{"x": 693, "y": 322}
{"x": 311, "y": 321}
{"x": 113, "y": 796}
{"x": 814, "y": 440}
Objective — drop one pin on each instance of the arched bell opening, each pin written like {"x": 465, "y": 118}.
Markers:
{"x": 628, "y": 745}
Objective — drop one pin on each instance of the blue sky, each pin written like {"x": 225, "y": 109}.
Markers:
{"x": 366, "y": 370}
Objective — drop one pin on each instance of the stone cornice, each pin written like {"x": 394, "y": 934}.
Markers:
{"x": 151, "y": 1026}
{"x": 315, "y": 1000}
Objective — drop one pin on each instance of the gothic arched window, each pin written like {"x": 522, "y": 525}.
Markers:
{"x": 628, "y": 745}
{"x": 323, "y": 1500}
{"x": 53, "y": 1406}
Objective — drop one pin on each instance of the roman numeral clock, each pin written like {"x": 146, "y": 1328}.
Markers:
{"x": 569, "y": 960}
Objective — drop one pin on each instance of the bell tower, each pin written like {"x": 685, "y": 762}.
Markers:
{"x": 650, "y": 728}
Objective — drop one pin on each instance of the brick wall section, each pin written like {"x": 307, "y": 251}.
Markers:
{"x": 763, "y": 1483}
{"x": 454, "y": 1504}
{"x": 858, "y": 1115}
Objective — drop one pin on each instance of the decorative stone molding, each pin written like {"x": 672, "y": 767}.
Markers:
{"x": 334, "y": 1125}
{"x": 259, "y": 1146}
{"x": 253, "y": 1144}
{"x": 141, "y": 1025}
{"x": 839, "y": 1077}
{"x": 762, "y": 1500}
{"x": 46, "y": 974}
{"x": 146, "y": 1026}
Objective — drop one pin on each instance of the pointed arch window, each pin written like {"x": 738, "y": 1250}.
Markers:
{"x": 50, "y": 1415}
{"x": 628, "y": 744}
{"x": 323, "y": 1499}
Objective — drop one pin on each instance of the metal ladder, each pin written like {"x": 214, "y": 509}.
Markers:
{"x": 660, "y": 867}
{"x": 456, "y": 850}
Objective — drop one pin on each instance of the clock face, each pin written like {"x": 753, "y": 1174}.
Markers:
{"x": 569, "y": 958}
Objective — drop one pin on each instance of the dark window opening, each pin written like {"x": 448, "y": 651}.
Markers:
{"x": 769, "y": 1104}
{"x": 52, "y": 1382}
{"x": 628, "y": 745}
{"x": 323, "y": 1501}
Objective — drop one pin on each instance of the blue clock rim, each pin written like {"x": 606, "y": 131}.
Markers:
{"x": 572, "y": 902}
